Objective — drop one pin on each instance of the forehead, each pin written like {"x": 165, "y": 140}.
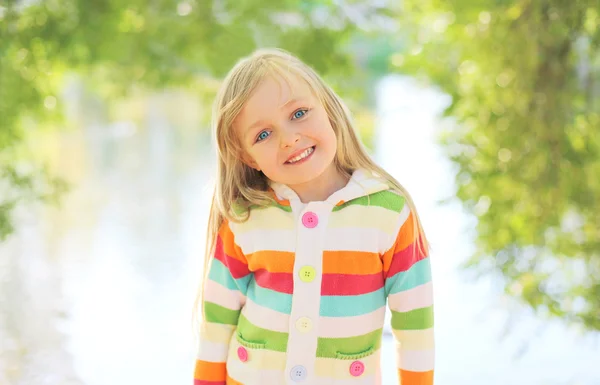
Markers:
{"x": 270, "y": 96}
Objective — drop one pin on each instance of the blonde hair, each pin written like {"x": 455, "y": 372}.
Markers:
{"x": 239, "y": 186}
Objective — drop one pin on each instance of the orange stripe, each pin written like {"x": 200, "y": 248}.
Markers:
{"x": 210, "y": 371}
{"x": 406, "y": 236}
{"x": 415, "y": 378}
{"x": 229, "y": 246}
{"x": 351, "y": 262}
{"x": 231, "y": 381}
{"x": 272, "y": 261}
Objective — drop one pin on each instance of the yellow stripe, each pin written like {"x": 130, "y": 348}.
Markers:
{"x": 365, "y": 217}
{"x": 415, "y": 339}
{"x": 340, "y": 369}
{"x": 218, "y": 333}
{"x": 270, "y": 218}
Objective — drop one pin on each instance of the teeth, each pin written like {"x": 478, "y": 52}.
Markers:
{"x": 301, "y": 156}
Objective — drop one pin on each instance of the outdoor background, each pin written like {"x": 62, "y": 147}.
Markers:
{"x": 488, "y": 111}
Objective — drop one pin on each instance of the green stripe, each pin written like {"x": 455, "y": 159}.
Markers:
{"x": 326, "y": 347}
{"x": 385, "y": 199}
{"x": 272, "y": 340}
{"x": 330, "y": 347}
{"x": 219, "y": 314}
{"x": 417, "y": 319}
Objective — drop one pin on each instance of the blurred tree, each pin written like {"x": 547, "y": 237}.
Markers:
{"x": 524, "y": 80}
{"x": 116, "y": 45}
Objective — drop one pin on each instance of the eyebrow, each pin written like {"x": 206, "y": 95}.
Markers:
{"x": 262, "y": 122}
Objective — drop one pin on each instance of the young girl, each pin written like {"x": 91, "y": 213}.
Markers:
{"x": 308, "y": 238}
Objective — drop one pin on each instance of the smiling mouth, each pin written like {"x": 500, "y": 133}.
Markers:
{"x": 303, "y": 156}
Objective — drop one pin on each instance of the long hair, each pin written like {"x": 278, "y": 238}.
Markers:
{"x": 239, "y": 186}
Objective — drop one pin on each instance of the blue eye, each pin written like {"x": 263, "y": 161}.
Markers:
{"x": 300, "y": 113}
{"x": 262, "y": 136}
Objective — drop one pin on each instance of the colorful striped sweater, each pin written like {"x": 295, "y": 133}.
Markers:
{"x": 297, "y": 294}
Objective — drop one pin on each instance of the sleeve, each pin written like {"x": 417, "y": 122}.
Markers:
{"x": 409, "y": 291}
{"x": 225, "y": 289}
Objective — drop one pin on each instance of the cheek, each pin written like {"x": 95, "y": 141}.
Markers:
{"x": 264, "y": 155}
{"x": 329, "y": 135}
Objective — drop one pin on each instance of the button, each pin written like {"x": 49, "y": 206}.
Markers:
{"x": 304, "y": 324}
{"x": 298, "y": 373}
{"x": 310, "y": 220}
{"x": 242, "y": 354}
{"x": 307, "y": 274}
{"x": 357, "y": 368}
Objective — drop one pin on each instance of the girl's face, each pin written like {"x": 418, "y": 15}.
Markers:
{"x": 287, "y": 135}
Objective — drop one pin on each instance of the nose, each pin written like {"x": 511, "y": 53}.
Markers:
{"x": 289, "y": 136}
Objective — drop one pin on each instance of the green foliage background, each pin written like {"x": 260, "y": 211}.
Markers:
{"x": 524, "y": 80}
{"x": 523, "y": 76}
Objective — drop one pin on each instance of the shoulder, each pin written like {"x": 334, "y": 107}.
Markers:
{"x": 393, "y": 210}
{"x": 391, "y": 199}
{"x": 387, "y": 199}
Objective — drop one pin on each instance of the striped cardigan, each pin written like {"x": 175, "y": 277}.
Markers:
{"x": 297, "y": 294}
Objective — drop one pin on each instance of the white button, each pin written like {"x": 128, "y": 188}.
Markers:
{"x": 304, "y": 324}
{"x": 298, "y": 373}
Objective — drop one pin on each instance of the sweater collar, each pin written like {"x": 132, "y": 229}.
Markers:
{"x": 362, "y": 183}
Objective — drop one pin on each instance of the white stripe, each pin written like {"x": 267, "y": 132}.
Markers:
{"x": 341, "y": 238}
{"x": 258, "y": 240}
{"x": 416, "y": 360}
{"x": 342, "y": 327}
{"x": 403, "y": 216}
{"x": 354, "y": 238}
{"x": 219, "y": 294}
{"x": 415, "y": 298}
{"x": 246, "y": 376}
{"x": 329, "y": 327}
{"x": 212, "y": 351}
{"x": 266, "y": 318}
{"x": 277, "y": 377}
{"x": 358, "y": 239}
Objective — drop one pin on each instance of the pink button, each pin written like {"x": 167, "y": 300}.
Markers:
{"x": 310, "y": 220}
{"x": 242, "y": 354}
{"x": 357, "y": 368}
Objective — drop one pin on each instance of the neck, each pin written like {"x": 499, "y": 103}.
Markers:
{"x": 322, "y": 187}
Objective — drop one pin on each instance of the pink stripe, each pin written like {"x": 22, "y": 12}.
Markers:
{"x": 404, "y": 259}
{"x": 237, "y": 268}
{"x": 332, "y": 284}
{"x": 280, "y": 282}
{"x": 351, "y": 284}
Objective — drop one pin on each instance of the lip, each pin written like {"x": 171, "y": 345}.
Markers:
{"x": 295, "y": 154}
